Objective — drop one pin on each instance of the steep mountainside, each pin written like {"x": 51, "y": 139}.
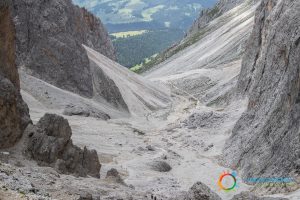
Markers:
{"x": 265, "y": 141}
{"x": 201, "y": 28}
{"x": 14, "y": 114}
{"x": 214, "y": 60}
{"x": 49, "y": 36}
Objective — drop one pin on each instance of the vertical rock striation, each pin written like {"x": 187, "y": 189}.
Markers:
{"x": 266, "y": 140}
{"x": 14, "y": 115}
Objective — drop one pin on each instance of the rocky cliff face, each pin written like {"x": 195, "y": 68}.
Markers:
{"x": 49, "y": 38}
{"x": 14, "y": 115}
{"x": 266, "y": 140}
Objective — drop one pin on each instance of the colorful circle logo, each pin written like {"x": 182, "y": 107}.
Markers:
{"x": 228, "y": 176}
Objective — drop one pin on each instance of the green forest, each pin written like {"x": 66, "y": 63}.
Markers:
{"x": 133, "y": 50}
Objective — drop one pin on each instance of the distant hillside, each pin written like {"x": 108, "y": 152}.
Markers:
{"x": 134, "y": 49}
{"x": 153, "y": 14}
{"x": 166, "y": 20}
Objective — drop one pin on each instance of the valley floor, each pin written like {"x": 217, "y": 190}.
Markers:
{"x": 137, "y": 147}
{"x": 134, "y": 145}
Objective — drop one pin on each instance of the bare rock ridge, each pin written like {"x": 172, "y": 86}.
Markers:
{"x": 49, "y": 142}
{"x": 265, "y": 141}
{"x": 14, "y": 114}
{"x": 207, "y": 15}
{"x": 49, "y": 38}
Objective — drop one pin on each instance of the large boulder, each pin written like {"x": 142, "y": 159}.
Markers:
{"x": 85, "y": 110}
{"x": 265, "y": 142}
{"x": 160, "y": 166}
{"x": 50, "y": 144}
{"x": 14, "y": 113}
{"x": 199, "y": 191}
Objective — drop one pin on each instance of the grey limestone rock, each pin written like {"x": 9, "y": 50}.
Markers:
{"x": 160, "y": 166}
{"x": 49, "y": 143}
{"x": 265, "y": 140}
{"x": 114, "y": 175}
{"x": 200, "y": 191}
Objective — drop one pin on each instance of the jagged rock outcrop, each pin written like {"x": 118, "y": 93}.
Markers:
{"x": 49, "y": 38}
{"x": 49, "y": 143}
{"x": 14, "y": 115}
{"x": 265, "y": 142}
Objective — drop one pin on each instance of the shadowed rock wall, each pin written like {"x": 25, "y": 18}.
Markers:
{"x": 14, "y": 115}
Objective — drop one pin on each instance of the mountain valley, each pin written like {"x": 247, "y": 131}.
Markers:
{"x": 75, "y": 124}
